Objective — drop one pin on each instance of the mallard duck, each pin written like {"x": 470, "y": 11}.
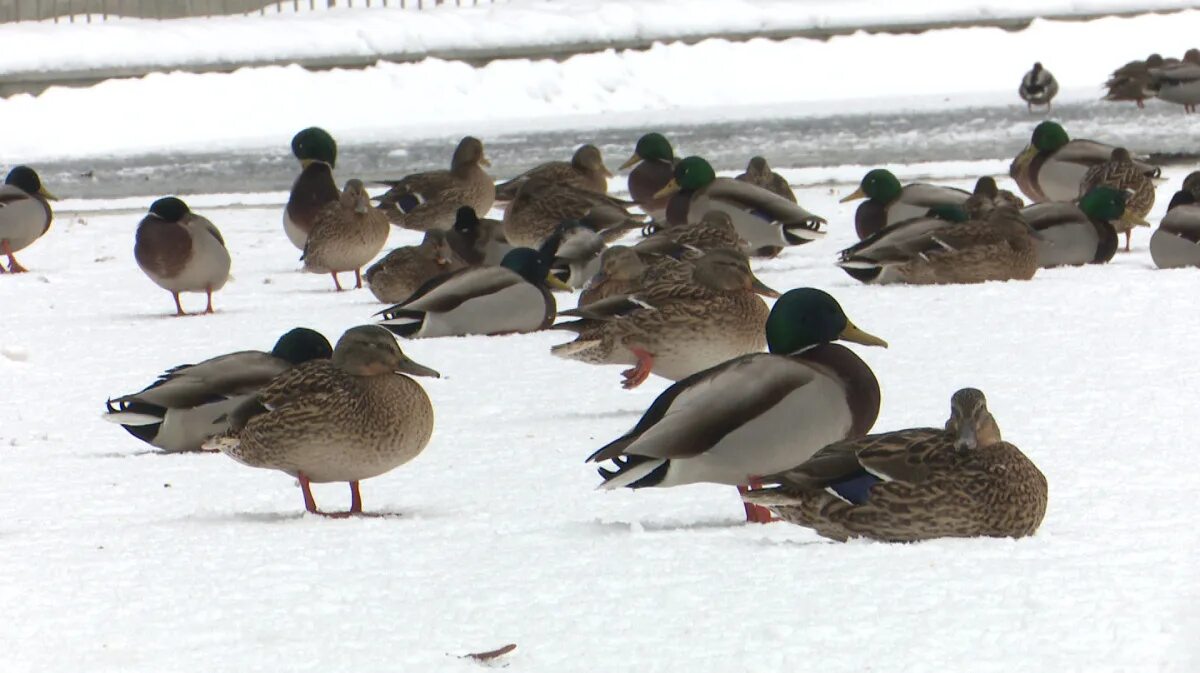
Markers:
{"x": 477, "y": 241}
{"x": 1052, "y": 166}
{"x": 346, "y": 235}
{"x": 1133, "y": 81}
{"x": 987, "y": 196}
{"x": 579, "y": 249}
{"x": 181, "y": 251}
{"x": 1074, "y": 234}
{"x": 760, "y": 174}
{"x": 998, "y": 248}
{"x": 1179, "y": 83}
{"x": 756, "y": 414}
{"x": 900, "y": 236}
{"x": 25, "y": 213}
{"x": 1120, "y": 172}
{"x": 714, "y": 231}
{"x": 887, "y": 202}
{"x": 189, "y": 404}
{"x": 677, "y": 326}
{"x": 541, "y": 205}
{"x": 424, "y": 201}
{"x": 512, "y": 298}
{"x": 1176, "y": 242}
{"x": 395, "y": 277}
{"x": 653, "y": 163}
{"x": 585, "y": 170}
{"x": 350, "y": 418}
{"x": 766, "y": 221}
{"x": 621, "y": 269}
{"x": 1038, "y": 87}
{"x": 314, "y": 188}
{"x": 916, "y": 484}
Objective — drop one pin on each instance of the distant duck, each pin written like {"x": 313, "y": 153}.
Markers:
{"x": 189, "y": 404}
{"x": 25, "y": 213}
{"x": 760, "y": 174}
{"x": 1180, "y": 83}
{"x": 314, "y": 188}
{"x": 653, "y": 164}
{"x": 350, "y": 418}
{"x": 1121, "y": 172}
{"x": 403, "y": 270}
{"x": 478, "y": 241}
{"x": 181, "y": 251}
{"x": 424, "y": 201}
{"x": 585, "y": 170}
{"x": 1052, "y": 166}
{"x": 888, "y": 202}
{"x": 346, "y": 235}
{"x": 1074, "y": 234}
{"x": 916, "y": 484}
{"x": 1176, "y": 242}
{"x": 1133, "y": 82}
{"x": 1038, "y": 87}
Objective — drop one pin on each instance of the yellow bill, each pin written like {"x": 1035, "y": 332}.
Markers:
{"x": 855, "y": 335}
{"x": 858, "y": 194}
{"x": 671, "y": 188}
{"x": 631, "y": 161}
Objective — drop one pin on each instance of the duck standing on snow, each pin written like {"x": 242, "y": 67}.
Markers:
{"x": 1133, "y": 81}
{"x": 1052, "y": 166}
{"x": 653, "y": 164}
{"x": 189, "y": 404}
{"x": 757, "y": 414}
{"x": 25, "y": 213}
{"x": 585, "y": 170}
{"x": 350, "y": 418}
{"x": 314, "y": 188}
{"x": 1038, "y": 87}
{"x": 887, "y": 202}
{"x": 424, "y": 201}
{"x": 1180, "y": 83}
{"x": 181, "y": 251}
{"x": 346, "y": 235}
{"x": 760, "y": 174}
{"x": 395, "y": 277}
{"x": 1176, "y": 242}
{"x": 1120, "y": 172}
{"x": 916, "y": 484}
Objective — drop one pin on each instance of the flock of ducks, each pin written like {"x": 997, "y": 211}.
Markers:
{"x": 762, "y": 395}
{"x": 1174, "y": 80}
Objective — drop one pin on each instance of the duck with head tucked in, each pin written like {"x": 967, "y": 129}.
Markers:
{"x": 1176, "y": 242}
{"x": 757, "y": 414}
{"x": 190, "y": 404}
{"x": 25, "y": 213}
{"x": 1179, "y": 83}
{"x": 585, "y": 170}
{"x": 181, "y": 251}
{"x": 314, "y": 188}
{"x": 1052, "y": 166}
{"x": 350, "y": 418}
{"x": 430, "y": 200}
{"x": 916, "y": 484}
{"x": 888, "y": 202}
{"x": 653, "y": 164}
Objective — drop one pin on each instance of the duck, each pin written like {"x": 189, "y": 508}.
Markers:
{"x": 585, "y": 170}
{"x": 987, "y": 196}
{"x": 1120, "y": 172}
{"x": 424, "y": 201}
{"x": 714, "y": 231}
{"x": 189, "y": 404}
{"x": 353, "y": 417}
{"x": 1052, "y": 166}
{"x": 346, "y": 235}
{"x": 1038, "y": 87}
{"x": 653, "y": 163}
{"x": 766, "y": 221}
{"x": 1176, "y": 242}
{"x": 513, "y": 298}
{"x": 916, "y": 484}
{"x": 757, "y": 414}
{"x": 542, "y": 204}
{"x": 314, "y": 188}
{"x": 674, "y": 327}
{"x": 759, "y": 173}
{"x": 621, "y": 270}
{"x": 181, "y": 251}
{"x": 579, "y": 249}
{"x": 1179, "y": 83}
{"x": 395, "y": 277}
{"x": 1077, "y": 233}
{"x": 477, "y": 241}
{"x": 1133, "y": 82}
{"x": 998, "y": 248}
{"x": 25, "y": 213}
{"x": 900, "y": 236}
{"x": 888, "y": 202}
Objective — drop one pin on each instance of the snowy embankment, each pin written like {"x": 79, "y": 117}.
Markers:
{"x": 263, "y": 107}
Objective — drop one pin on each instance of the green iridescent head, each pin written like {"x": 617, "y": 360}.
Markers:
{"x": 807, "y": 317}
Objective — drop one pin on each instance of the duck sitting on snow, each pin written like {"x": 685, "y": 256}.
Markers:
{"x": 189, "y": 404}
{"x": 403, "y": 270}
{"x": 1176, "y": 242}
{"x": 888, "y": 202}
{"x": 1077, "y": 233}
{"x": 585, "y": 170}
{"x": 181, "y": 251}
{"x": 917, "y": 484}
{"x": 1052, "y": 166}
{"x": 424, "y": 201}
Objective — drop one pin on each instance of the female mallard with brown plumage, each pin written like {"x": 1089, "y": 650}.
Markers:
{"x": 585, "y": 170}
{"x": 395, "y": 277}
{"x": 314, "y": 188}
{"x": 917, "y": 484}
{"x": 181, "y": 251}
{"x": 346, "y": 236}
{"x": 1052, "y": 166}
{"x": 888, "y": 202}
{"x": 351, "y": 418}
{"x": 542, "y": 204}
{"x": 1176, "y": 242}
{"x": 714, "y": 231}
{"x": 1133, "y": 82}
{"x": 425, "y": 201}
{"x": 653, "y": 164}
{"x": 759, "y": 173}
{"x": 757, "y": 414}
{"x": 1120, "y": 172}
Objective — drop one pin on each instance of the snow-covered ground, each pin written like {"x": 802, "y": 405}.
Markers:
{"x": 118, "y": 560}
{"x": 263, "y": 107}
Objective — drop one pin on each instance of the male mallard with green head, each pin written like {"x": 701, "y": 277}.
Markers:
{"x": 314, "y": 188}
{"x": 1052, "y": 166}
{"x": 653, "y": 164}
{"x": 888, "y": 202}
{"x": 1077, "y": 233}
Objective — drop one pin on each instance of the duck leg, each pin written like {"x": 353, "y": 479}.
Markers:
{"x": 355, "y": 499}
{"x": 178, "y": 307}
{"x": 336, "y": 282}
{"x": 13, "y": 265}
{"x": 755, "y": 513}
{"x": 358, "y": 279}
{"x": 637, "y": 375}
{"x": 1128, "y": 236}
{"x": 209, "y": 308}
{"x": 310, "y": 505}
